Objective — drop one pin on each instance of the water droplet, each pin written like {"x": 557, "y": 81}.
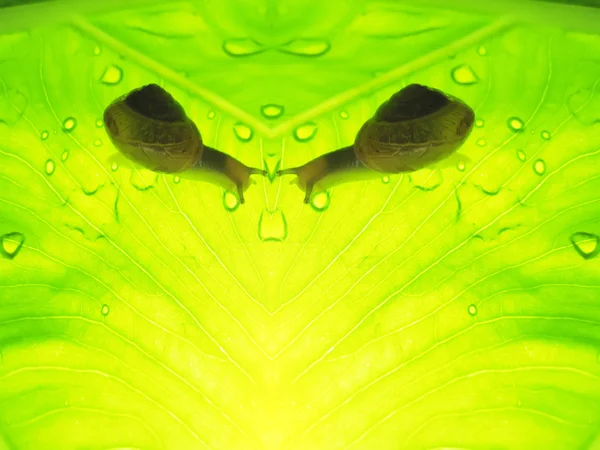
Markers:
{"x": 426, "y": 179}
{"x": 272, "y": 226}
{"x": 521, "y": 155}
{"x": 49, "y": 167}
{"x": 105, "y": 310}
{"x": 230, "y": 201}
{"x": 99, "y": 123}
{"x": 546, "y": 135}
{"x": 272, "y": 111}
{"x": 176, "y": 179}
{"x": 463, "y": 74}
{"x": 481, "y": 51}
{"x": 98, "y": 142}
{"x": 385, "y": 179}
{"x": 243, "y": 132}
{"x": 307, "y": 47}
{"x": 344, "y": 114}
{"x": 211, "y": 115}
{"x": 65, "y": 155}
{"x": 515, "y": 124}
{"x": 242, "y": 47}
{"x": 11, "y": 244}
{"x": 479, "y": 123}
{"x": 461, "y": 166}
{"x": 472, "y": 309}
{"x": 112, "y": 75}
{"x": 320, "y": 201}
{"x": 272, "y": 164}
{"x": 114, "y": 166}
{"x": 481, "y": 142}
{"x": 539, "y": 166}
{"x": 97, "y": 50}
{"x": 70, "y": 123}
{"x": 305, "y": 132}
{"x": 143, "y": 179}
{"x": 44, "y": 135}
{"x": 586, "y": 244}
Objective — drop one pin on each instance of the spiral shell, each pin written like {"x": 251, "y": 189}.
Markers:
{"x": 416, "y": 127}
{"x": 151, "y": 128}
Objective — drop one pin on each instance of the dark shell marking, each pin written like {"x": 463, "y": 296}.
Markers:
{"x": 412, "y": 102}
{"x": 154, "y": 102}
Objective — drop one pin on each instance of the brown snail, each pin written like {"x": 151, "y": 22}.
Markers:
{"x": 150, "y": 128}
{"x": 416, "y": 127}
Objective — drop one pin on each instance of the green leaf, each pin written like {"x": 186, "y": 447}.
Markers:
{"x": 447, "y": 308}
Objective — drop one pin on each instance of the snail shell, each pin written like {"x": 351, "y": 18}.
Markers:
{"x": 416, "y": 127}
{"x": 151, "y": 128}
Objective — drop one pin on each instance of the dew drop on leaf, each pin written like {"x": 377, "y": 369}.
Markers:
{"x": 112, "y": 75}
{"x": 97, "y": 50}
{"x": 65, "y": 155}
{"x": 481, "y": 142}
{"x": 546, "y": 135}
{"x": 230, "y": 201}
{"x": 98, "y": 142}
{"x": 70, "y": 123}
{"x": 344, "y": 114}
{"x": 105, "y": 310}
{"x": 479, "y": 123}
{"x": 307, "y": 47}
{"x": 472, "y": 309}
{"x": 427, "y": 179}
{"x": 44, "y": 135}
{"x": 176, "y": 179}
{"x": 463, "y": 74}
{"x": 305, "y": 132}
{"x": 272, "y": 111}
{"x": 242, "y": 47}
{"x": 11, "y": 243}
{"x": 272, "y": 226}
{"x": 320, "y": 201}
{"x": 99, "y": 123}
{"x": 461, "y": 166}
{"x": 49, "y": 167}
{"x": 481, "y": 51}
{"x": 385, "y": 179}
{"x": 114, "y": 166}
{"x": 272, "y": 164}
{"x": 242, "y": 132}
{"x": 515, "y": 124}
{"x": 143, "y": 179}
{"x": 211, "y": 115}
{"x": 586, "y": 244}
{"x": 539, "y": 167}
{"x": 521, "y": 155}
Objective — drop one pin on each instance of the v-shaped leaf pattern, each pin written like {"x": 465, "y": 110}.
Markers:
{"x": 448, "y": 308}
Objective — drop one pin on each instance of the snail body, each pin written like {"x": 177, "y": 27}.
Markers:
{"x": 328, "y": 170}
{"x": 415, "y": 128}
{"x": 151, "y": 129}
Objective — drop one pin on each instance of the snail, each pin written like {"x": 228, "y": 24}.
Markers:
{"x": 416, "y": 127}
{"x": 150, "y": 128}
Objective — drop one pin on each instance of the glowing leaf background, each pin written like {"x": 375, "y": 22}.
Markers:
{"x": 449, "y": 308}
